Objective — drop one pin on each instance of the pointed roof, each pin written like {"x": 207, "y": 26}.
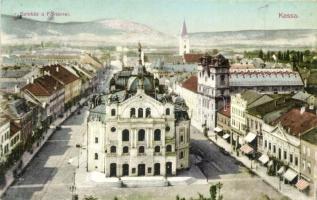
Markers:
{"x": 184, "y": 30}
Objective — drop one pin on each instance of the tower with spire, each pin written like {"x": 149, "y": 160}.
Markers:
{"x": 183, "y": 41}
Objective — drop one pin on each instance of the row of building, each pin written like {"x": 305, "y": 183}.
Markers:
{"x": 263, "y": 113}
{"x": 28, "y": 112}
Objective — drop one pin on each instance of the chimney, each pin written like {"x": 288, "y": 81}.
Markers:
{"x": 302, "y": 110}
{"x": 32, "y": 79}
{"x": 27, "y": 81}
{"x": 57, "y": 69}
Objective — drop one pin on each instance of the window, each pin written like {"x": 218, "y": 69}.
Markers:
{"x": 296, "y": 161}
{"x": 157, "y": 135}
{"x": 113, "y": 149}
{"x": 96, "y": 140}
{"x": 181, "y": 155}
{"x": 125, "y": 149}
{"x": 182, "y": 138}
{"x": 113, "y": 112}
{"x": 141, "y": 149}
{"x": 132, "y": 112}
{"x": 96, "y": 156}
{"x": 148, "y": 112}
{"x": 113, "y": 129}
{"x": 157, "y": 149}
{"x": 270, "y": 146}
{"x": 168, "y": 148}
{"x": 167, "y": 128}
{"x": 125, "y": 135}
{"x": 140, "y": 113}
{"x": 167, "y": 111}
{"x": 274, "y": 149}
{"x": 291, "y": 158}
{"x": 149, "y": 170}
{"x": 265, "y": 143}
{"x": 141, "y": 135}
{"x": 285, "y": 155}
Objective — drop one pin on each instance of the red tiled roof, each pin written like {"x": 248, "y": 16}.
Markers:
{"x": 192, "y": 58}
{"x": 191, "y": 84}
{"x": 61, "y": 74}
{"x": 49, "y": 83}
{"x": 36, "y": 89}
{"x": 297, "y": 123}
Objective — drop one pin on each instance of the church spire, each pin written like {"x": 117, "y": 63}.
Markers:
{"x": 184, "y": 29}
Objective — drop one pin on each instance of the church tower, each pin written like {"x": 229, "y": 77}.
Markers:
{"x": 183, "y": 41}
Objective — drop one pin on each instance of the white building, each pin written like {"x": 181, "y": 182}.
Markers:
{"x": 213, "y": 88}
{"x": 4, "y": 139}
{"x": 183, "y": 41}
{"x": 138, "y": 130}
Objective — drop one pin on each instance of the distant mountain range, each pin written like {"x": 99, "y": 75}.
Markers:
{"x": 123, "y": 32}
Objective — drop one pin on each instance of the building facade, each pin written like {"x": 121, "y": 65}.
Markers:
{"x": 139, "y": 129}
{"x": 213, "y": 88}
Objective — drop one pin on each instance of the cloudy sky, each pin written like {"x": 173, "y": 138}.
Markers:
{"x": 167, "y": 15}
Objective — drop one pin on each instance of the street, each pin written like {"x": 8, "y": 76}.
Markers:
{"x": 50, "y": 174}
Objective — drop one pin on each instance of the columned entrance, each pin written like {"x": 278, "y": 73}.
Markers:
{"x": 168, "y": 168}
{"x": 125, "y": 170}
{"x": 113, "y": 170}
{"x": 141, "y": 170}
{"x": 157, "y": 169}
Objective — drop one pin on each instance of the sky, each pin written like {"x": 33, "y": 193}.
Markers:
{"x": 168, "y": 15}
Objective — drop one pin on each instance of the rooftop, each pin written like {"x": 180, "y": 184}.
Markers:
{"x": 191, "y": 84}
{"x": 193, "y": 57}
{"x": 60, "y": 73}
{"x": 297, "y": 121}
{"x": 311, "y": 136}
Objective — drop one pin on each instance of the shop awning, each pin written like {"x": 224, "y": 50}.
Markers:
{"x": 264, "y": 159}
{"x": 218, "y": 129}
{"x": 226, "y": 136}
{"x": 250, "y": 137}
{"x": 246, "y": 149}
{"x": 290, "y": 175}
{"x": 302, "y": 184}
{"x": 281, "y": 170}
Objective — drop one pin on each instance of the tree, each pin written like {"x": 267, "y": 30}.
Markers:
{"x": 261, "y": 54}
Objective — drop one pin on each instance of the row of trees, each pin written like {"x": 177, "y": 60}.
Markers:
{"x": 300, "y": 59}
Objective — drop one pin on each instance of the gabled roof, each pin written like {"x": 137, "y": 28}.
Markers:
{"x": 296, "y": 121}
{"x": 36, "y": 89}
{"x": 302, "y": 96}
{"x": 43, "y": 86}
{"x": 191, "y": 84}
{"x": 61, "y": 74}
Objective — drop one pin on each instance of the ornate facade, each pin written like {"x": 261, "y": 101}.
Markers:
{"x": 138, "y": 129}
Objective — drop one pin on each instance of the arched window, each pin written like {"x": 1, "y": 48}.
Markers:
{"x": 169, "y": 148}
{"x": 96, "y": 156}
{"x": 157, "y": 135}
{"x": 113, "y": 149}
{"x": 140, "y": 113}
{"x": 132, "y": 112}
{"x": 125, "y": 135}
{"x": 167, "y": 111}
{"x": 125, "y": 149}
{"x": 113, "y": 112}
{"x": 148, "y": 112}
{"x": 141, "y": 135}
{"x": 141, "y": 149}
{"x": 157, "y": 149}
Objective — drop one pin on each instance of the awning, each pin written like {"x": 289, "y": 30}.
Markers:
{"x": 246, "y": 149}
{"x": 302, "y": 184}
{"x": 250, "y": 137}
{"x": 290, "y": 175}
{"x": 281, "y": 170}
{"x": 226, "y": 136}
{"x": 218, "y": 129}
{"x": 264, "y": 159}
